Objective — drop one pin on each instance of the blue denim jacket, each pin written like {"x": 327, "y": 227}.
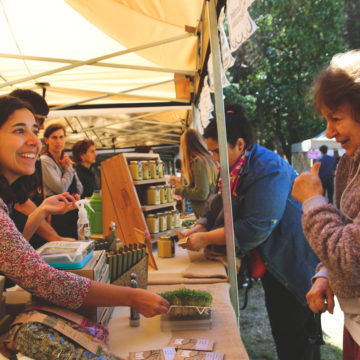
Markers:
{"x": 266, "y": 217}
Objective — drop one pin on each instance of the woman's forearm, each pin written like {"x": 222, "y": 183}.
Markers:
{"x": 145, "y": 302}
{"x": 33, "y": 222}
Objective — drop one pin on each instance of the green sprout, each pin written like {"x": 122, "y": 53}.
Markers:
{"x": 187, "y": 297}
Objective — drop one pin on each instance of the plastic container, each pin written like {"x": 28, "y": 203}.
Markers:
{"x": 67, "y": 255}
{"x": 95, "y": 218}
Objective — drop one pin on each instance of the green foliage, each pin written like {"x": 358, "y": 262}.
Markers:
{"x": 187, "y": 297}
{"x": 275, "y": 67}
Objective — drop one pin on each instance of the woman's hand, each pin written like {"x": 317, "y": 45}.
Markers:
{"x": 65, "y": 161}
{"x": 320, "y": 297}
{"x": 308, "y": 185}
{"x": 196, "y": 241}
{"x": 148, "y": 304}
{"x": 174, "y": 180}
{"x": 59, "y": 204}
{"x": 194, "y": 229}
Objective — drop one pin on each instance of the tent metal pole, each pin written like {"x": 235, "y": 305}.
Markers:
{"x": 122, "y": 93}
{"x": 123, "y": 120}
{"x": 91, "y": 61}
{"x": 100, "y": 64}
{"x": 226, "y": 194}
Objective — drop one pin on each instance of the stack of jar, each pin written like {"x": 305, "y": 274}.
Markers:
{"x": 159, "y": 194}
{"x": 163, "y": 221}
{"x": 145, "y": 170}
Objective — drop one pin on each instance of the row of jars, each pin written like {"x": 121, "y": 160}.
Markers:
{"x": 160, "y": 222}
{"x": 159, "y": 194}
{"x": 144, "y": 170}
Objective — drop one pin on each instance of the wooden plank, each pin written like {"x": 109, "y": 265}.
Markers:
{"x": 121, "y": 203}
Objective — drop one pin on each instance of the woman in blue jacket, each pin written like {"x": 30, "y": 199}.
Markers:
{"x": 267, "y": 225}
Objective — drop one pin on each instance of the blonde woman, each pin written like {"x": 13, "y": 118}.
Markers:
{"x": 199, "y": 170}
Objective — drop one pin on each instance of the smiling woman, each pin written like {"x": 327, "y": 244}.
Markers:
{"x": 19, "y": 140}
{"x": 333, "y": 231}
{"x": 19, "y": 261}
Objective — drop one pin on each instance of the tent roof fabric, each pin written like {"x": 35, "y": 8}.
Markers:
{"x": 80, "y": 53}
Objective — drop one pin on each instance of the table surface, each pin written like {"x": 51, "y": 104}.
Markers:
{"x": 148, "y": 336}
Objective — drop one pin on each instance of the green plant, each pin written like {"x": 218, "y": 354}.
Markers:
{"x": 187, "y": 297}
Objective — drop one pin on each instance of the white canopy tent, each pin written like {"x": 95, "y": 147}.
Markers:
{"x": 315, "y": 143}
{"x": 122, "y": 72}
{"x": 304, "y": 153}
{"x": 115, "y": 54}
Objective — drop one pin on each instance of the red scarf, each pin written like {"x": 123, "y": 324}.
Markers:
{"x": 257, "y": 266}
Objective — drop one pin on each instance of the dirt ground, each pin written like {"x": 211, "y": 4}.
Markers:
{"x": 256, "y": 333}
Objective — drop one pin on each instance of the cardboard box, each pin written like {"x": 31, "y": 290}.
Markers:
{"x": 93, "y": 313}
{"x": 94, "y": 268}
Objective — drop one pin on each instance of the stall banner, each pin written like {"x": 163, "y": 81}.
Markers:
{"x": 227, "y": 59}
{"x": 241, "y": 26}
{"x": 205, "y": 105}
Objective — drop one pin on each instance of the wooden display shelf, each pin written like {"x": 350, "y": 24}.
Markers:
{"x": 149, "y": 181}
{"x": 155, "y": 237}
{"x": 159, "y": 206}
{"x": 141, "y": 156}
{"x": 121, "y": 202}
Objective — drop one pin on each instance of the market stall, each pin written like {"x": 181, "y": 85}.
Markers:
{"x": 105, "y": 82}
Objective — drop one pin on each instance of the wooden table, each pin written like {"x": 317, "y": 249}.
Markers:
{"x": 148, "y": 336}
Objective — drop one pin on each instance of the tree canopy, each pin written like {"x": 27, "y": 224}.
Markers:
{"x": 275, "y": 68}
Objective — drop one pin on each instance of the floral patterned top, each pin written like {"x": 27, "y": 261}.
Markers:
{"x": 23, "y": 265}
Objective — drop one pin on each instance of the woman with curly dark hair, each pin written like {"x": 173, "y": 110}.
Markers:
{"x": 19, "y": 148}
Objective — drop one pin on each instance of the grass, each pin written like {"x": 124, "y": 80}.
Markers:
{"x": 256, "y": 333}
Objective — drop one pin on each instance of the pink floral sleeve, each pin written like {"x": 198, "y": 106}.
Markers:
{"x": 22, "y": 264}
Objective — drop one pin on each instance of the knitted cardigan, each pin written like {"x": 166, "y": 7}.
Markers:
{"x": 334, "y": 237}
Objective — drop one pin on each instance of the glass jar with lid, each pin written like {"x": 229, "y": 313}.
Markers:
{"x": 146, "y": 170}
{"x": 135, "y": 168}
{"x": 152, "y": 195}
{"x": 165, "y": 247}
{"x": 152, "y": 221}
{"x": 162, "y": 194}
{"x": 170, "y": 221}
{"x": 162, "y": 222}
{"x": 169, "y": 193}
{"x": 160, "y": 165}
{"x": 176, "y": 215}
{"x": 154, "y": 169}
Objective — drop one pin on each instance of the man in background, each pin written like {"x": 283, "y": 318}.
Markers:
{"x": 326, "y": 172}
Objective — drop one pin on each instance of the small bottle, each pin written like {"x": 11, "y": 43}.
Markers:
{"x": 83, "y": 224}
{"x": 112, "y": 236}
{"x": 134, "y": 320}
